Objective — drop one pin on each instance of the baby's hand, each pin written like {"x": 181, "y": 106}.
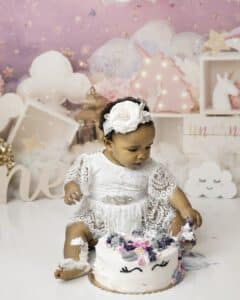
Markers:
{"x": 72, "y": 193}
{"x": 193, "y": 215}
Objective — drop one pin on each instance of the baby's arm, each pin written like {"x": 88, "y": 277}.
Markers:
{"x": 180, "y": 202}
{"x": 72, "y": 193}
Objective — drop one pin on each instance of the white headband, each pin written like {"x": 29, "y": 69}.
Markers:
{"x": 125, "y": 117}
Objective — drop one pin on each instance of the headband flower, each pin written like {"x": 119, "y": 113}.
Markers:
{"x": 125, "y": 117}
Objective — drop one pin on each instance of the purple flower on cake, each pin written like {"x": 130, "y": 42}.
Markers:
{"x": 142, "y": 249}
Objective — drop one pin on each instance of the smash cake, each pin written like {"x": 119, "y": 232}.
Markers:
{"x": 137, "y": 263}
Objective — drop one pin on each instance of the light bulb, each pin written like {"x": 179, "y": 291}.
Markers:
{"x": 137, "y": 85}
{"x": 159, "y": 77}
{"x": 143, "y": 73}
{"x": 164, "y": 64}
{"x": 147, "y": 60}
{"x": 160, "y": 105}
{"x": 184, "y": 94}
{"x": 164, "y": 92}
{"x": 175, "y": 78}
{"x": 184, "y": 106}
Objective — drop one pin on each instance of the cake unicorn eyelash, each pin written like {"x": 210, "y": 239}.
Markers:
{"x": 125, "y": 270}
{"x": 162, "y": 264}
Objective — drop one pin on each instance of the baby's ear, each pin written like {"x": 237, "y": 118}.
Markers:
{"x": 107, "y": 142}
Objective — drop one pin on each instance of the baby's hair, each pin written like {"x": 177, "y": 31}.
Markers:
{"x": 110, "y": 105}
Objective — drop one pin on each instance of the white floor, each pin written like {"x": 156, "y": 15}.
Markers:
{"x": 31, "y": 238}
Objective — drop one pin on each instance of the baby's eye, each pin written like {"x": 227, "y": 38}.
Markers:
{"x": 162, "y": 264}
{"x": 216, "y": 180}
{"x": 202, "y": 180}
{"x": 125, "y": 270}
{"x": 148, "y": 147}
{"x": 132, "y": 149}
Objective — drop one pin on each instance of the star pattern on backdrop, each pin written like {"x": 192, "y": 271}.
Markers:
{"x": 7, "y": 72}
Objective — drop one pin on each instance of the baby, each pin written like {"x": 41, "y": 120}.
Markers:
{"x": 120, "y": 189}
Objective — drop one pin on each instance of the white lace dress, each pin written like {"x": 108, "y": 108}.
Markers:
{"x": 120, "y": 199}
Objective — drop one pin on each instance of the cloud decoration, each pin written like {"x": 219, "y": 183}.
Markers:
{"x": 116, "y": 58}
{"x": 52, "y": 79}
{"x": 210, "y": 181}
{"x": 186, "y": 44}
{"x": 154, "y": 36}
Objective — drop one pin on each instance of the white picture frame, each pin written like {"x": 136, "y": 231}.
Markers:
{"x": 40, "y": 123}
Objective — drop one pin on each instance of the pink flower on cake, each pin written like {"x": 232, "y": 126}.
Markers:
{"x": 141, "y": 244}
{"x": 141, "y": 261}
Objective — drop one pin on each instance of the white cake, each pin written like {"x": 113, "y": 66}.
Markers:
{"x": 136, "y": 264}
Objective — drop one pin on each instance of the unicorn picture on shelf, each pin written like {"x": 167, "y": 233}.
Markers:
{"x": 224, "y": 88}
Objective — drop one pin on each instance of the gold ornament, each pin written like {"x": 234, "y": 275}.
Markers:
{"x": 215, "y": 42}
{"x": 6, "y": 155}
{"x": 90, "y": 111}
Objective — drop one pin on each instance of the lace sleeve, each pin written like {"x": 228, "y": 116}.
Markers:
{"x": 80, "y": 173}
{"x": 161, "y": 184}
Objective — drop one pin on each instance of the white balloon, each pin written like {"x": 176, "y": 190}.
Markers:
{"x": 50, "y": 64}
{"x": 154, "y": 37}
{"x": 117, "y": 58}
{"x": 52, "y": 80}
{"x": 76, "y": 87}
{"x": 25, "y": 89}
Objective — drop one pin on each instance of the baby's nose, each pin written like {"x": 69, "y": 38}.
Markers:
{"x": 142, "y": 155}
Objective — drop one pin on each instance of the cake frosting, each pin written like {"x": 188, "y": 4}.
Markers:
{"x": 136, "y": 263}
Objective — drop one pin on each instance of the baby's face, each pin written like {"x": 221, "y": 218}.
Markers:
{"x": 132, "y": 149}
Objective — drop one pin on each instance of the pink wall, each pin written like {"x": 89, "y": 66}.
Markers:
{"x": 28, "y": 27}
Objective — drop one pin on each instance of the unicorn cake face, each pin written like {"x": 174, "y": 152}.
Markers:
{"x": 136, "y": 264}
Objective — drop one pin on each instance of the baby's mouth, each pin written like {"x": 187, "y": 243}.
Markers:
{"x": 137, "y": 165}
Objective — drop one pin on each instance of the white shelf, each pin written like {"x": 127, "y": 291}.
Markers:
{"x": 172, "y": 115}
{"x": 233, "y": 112}
{"x": 210, "y": 66}
{"x": 233, "y": 55}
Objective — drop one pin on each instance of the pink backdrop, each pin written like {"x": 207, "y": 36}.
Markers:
{"x": 29, "y": 27}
